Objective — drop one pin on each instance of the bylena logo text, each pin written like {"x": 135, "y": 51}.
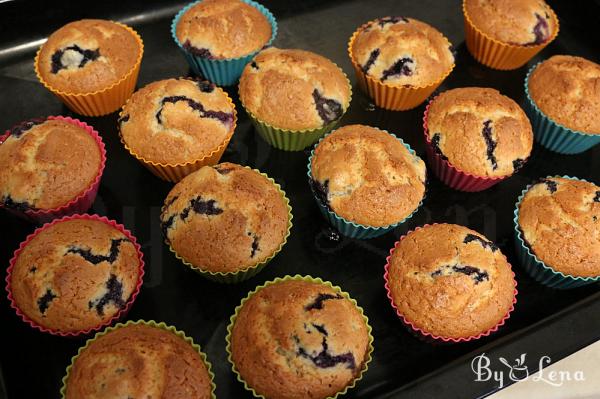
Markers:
{"x": 518, "y": 371}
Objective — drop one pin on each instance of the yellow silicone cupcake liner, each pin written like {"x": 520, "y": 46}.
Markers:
{"x": 311, "y": 279}
{"x": 496, "y": 54}
{"x": 151, "y": 323}
{"x": 103, "y": 101}
{"x": 177, "y": 171}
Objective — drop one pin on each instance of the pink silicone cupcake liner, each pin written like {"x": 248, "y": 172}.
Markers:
{"x": 424, "y": 335}
{"x": 83, "y": 201}
{"x": 118, "y": 316}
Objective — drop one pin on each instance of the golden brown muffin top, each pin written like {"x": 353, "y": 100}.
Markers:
{"x": 177, "y": 120}
{"x": 299, "y": 340}
{"x": 402, "y": 51}
{"x": 219, "y": 29}
{"x": 46, "y": 164}
{"x": 517, "y": 22}
{"x": 367, "y": 176}
{"x": 450, "y": 281}
{"x": 225, "y": 218}
{"x": 480, "y": 131}
{"x": 560, "y": 221}
{"x": 139, "y": 361}
{"x": 294, "y": 89}
{"x": 567, "y": 90}
{"x": 88, "y": 55}
{"x": 75, "y": 275}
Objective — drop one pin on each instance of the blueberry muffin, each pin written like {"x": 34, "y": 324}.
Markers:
{"x": 450, "y": 281}
{"x": 299, "y": 339}
{"x": 175, "y": 121}
{"x": 225, "y": 218}
{"x": 294, "y": 89}
{"x": 45, "y": 164}
{"x": 220, "y": 29}
{"x": 560, "y": 222}
{"x": 402, "y": 51}
{"x": 75, "y": 275}
{"x": 479, "y": 131}
{"x": 367, "y": 176}
{"x": 139, "y": 361}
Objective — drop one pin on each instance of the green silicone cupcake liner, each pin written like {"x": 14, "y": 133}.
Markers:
{"x": 550, "y": 134}
{"x": 151, "y": 323}
{"x": 311, "y": 279}
{"x": 225, "y": 72}
{"x": 537, "y": 269}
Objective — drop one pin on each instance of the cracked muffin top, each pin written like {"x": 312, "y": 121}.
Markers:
{"x": 75, "y": 275}
{"x": 517, "y": 22}
{"x": 44, "y": 164}
{"x": 299, "y": 340}
{"x": 294, "y": 89}
{"x": 219, "y": 29}
{"x": 175, "y": 121}
{"x": 139, "y": 361}
{"x": 450, "y": 281}
{"x": 88, "y": 55}
{"x": 402, "y": 51}
{"x": 560, "y": 222}
{"x": 367, "y": 176}
{"x": 225, "y": 218}
{"x": 567, "y": 90}
{"x": 479, "y": 131}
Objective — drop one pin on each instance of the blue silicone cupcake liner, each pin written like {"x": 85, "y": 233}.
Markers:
{"x": 347, "y": 227}
{"x": 536, "y": 268}
{"x": 550, "y": 134}
{"x": 225, "y": 72}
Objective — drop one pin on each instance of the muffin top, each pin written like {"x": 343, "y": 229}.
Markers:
{"x": 46, "y": 164}
{"x": 560, "y": 221}
{"x": 517, "y": 22}
{"x": 88, "y": 55}
{"x": 139, "y": 361}
{"x": 225, "y": 218}
{"x": 566, "y": 89}
{"x": 294, "y": 89}
{"x": 367, "y": 176}
{"x": 479, "y": 131}
{"x": 219, "y": 29}
{"x": 402, "y": 51}
{"x": 177, "y": 120}
{"x": 299, "y": 340}
{"x": 75, "y": 275}
{"x": 450, "y": 281}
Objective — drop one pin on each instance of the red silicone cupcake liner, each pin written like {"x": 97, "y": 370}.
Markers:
{"x": 82, "y": 333}
{"x": 83, "y": 201}
{"x": 432, "y": 338}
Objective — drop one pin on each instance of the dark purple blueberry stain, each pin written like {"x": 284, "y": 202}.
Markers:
{"x": 391, "y": 21}
{"x": 198, "y": 52}
{"x": 318, "y": 302}
{"x": 372, "y": 58}
{"x": 320, "y": 328}
{"x": 205, "y": 86}
{"x": 171, "y": 201}
{"x": 114, "y": 294}
{"x": 324, "y": 359}
{"x": 490, "y": 143}
{"x": 32, "y": 269}
{"x": 255, "y": 247}
{"x": 597, "y": 197}
{"x": 224, "y": 117}
{"x": 254, "y": 65}
{"x": 123, "y": 119}
{"x": 23, "y": 127}
{"x": 484, "y": 243}
{"x": 475, "y": 273}
{"x": 435, "y": 142}
{"x": 321, "y": 191}
{"x": 96, "y": 259}
{"x": 88, "y": 55}
{"x": 551, "y": 185}
{"x": 540, "y": 30}
{"x": 328, "y": 109}
{"x": 44, "y": 301}
{"x": 166, "y": 225}
{"x": 518, "y": 164}
{"x": 222, "y": 169}
{"x": 201, "y": 207}
{"x": 21, "y": 206}
{"x": 403, "y": 67}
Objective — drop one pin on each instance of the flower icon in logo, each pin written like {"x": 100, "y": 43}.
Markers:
{"x": 519, "y": 370}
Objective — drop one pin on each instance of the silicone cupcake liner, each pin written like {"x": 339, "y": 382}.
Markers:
{"x": 103, "y": 101}
{"x": 496, "y": 54}
{"x": 79, "y": 204}
{"x": 427, "y": 336}
{"x": 73, "y": 334}
{"x": 537, "y": 269}
{"x": 347, "y": 227}
{"x": 225, "y": 72}
{"x": 249, "y": 271}
{"x": 392, "y": 97}
{"x": 151, "y": 323}
{"x": 177, "y": 171}
{"x": 550, "y": 134}
{"x": 311, "y": 279}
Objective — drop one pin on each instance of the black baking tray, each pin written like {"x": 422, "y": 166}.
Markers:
{"x": 545, "y": 321}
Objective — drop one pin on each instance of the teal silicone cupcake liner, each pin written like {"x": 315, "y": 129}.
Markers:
{"x": 550, "y": 134}
{"x": 537, "y": 269}
{"x": 224, "y": 72}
